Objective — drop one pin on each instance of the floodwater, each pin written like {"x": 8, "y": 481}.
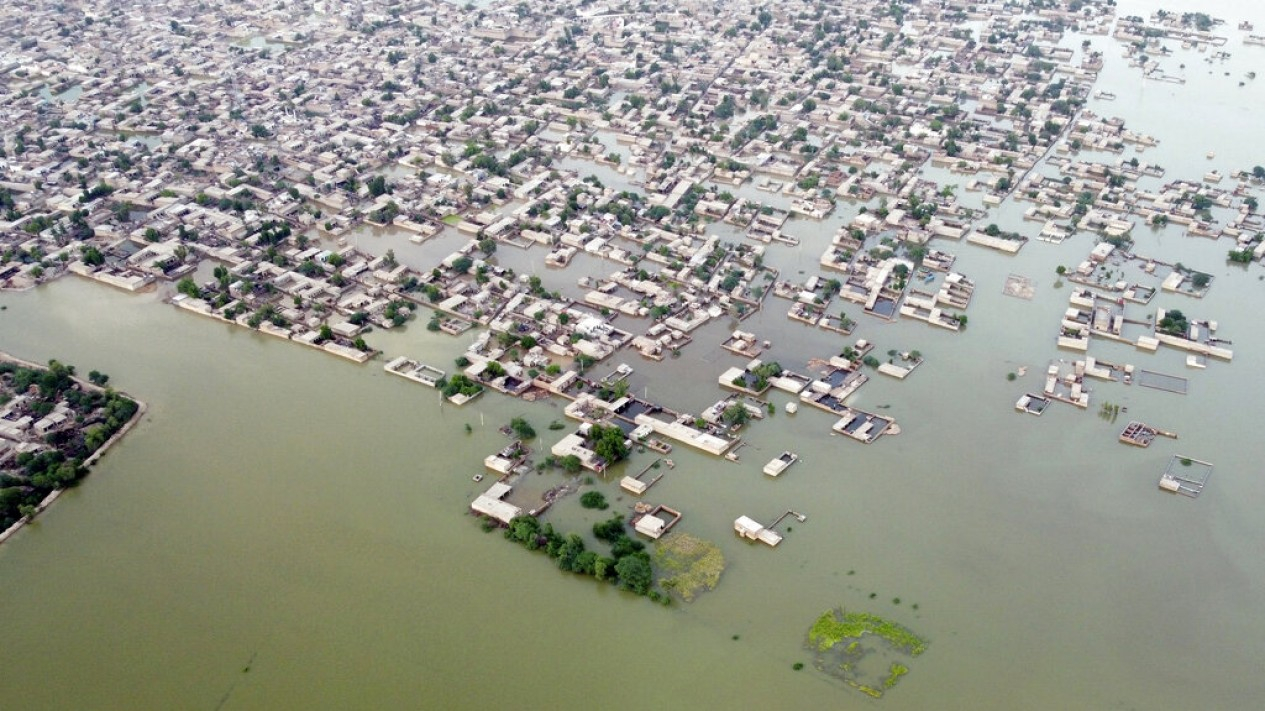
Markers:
{"x": 288, "y": 530}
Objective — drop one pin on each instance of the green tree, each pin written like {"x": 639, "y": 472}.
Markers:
{"x": 522, "y": 428}
{"x": 608, "y": 443}
{"x": 735, "y": 415}
{"x": 634, "y": 573}
{"x": 378, "y": 186}
{"x": 594, "y": 500}
{"x": 609, "y": 530}
{"x": 568, "y": 554}
{"x": 93, "y": 257}
{"x": 187, "y": 287}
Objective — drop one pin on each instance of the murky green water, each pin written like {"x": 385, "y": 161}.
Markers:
{"x": 292, "y": 513}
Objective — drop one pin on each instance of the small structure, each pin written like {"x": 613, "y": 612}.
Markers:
{"x": 504, "y": 461}
{"x": 1140, "y": 434}
{"x": 650, "y": 521}
{"x": 781, "y": 463}
{"x": 491, "y": 504}
{"x": 750, "y": 529}
{"x": 1020, "y": 287}
{"x": 635, "y": 484}
{"x": 415, "y": 371}
{"x": 1032, "y": 404}
{"x": 862, "y": 426}
{"x": 743, "y": 344}
{"x": 1185, "y": 476}
{"x": 1163, "y": 381}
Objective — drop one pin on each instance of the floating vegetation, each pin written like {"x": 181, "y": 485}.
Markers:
{"x": 896, "y": 671}
{"x": 865, "y": 651}
{"x": 834, "y": 626}
{"x": 876, "y": 693}
{"x": 1109, "y": 411}
{"x": 688, "y": 565}
{"x": 797, "y": 666}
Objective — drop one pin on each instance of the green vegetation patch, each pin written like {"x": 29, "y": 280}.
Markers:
{"x": 628, "y": 565}
{"x": 687, "y": 565}
{"x": 865, "y": 651}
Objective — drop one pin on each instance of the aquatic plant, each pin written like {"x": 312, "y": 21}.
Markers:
{"x": 896, "y": 671}
{"x": 688, "y": 565}
{"x": 868, "y": 690}
{"x": 834, "y": 626}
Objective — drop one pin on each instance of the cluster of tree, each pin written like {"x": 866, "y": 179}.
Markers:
{"x": 1241, "y": 256}
{"x": 608, "y": 442}
{"x": 99, "y": 190}
{"x": 627, "y": 566}
{"x": 462, "y": 384}
{"x": 397, "y": 312}
{"x": 763, "y": 372}
{"x": 386, "y": 213}
{"x": 735, "y": 415}
{"x": 1174, "y": 323}
{"x": 99, "y": 416}
{"x": 189, "y": 288}
{"x": 754, "y": 129}
{"x": 272, "y": 232}
{"x": 522, "y": 428}
{"x": 269, "y": 313}
{"x": 378, "y": 186}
